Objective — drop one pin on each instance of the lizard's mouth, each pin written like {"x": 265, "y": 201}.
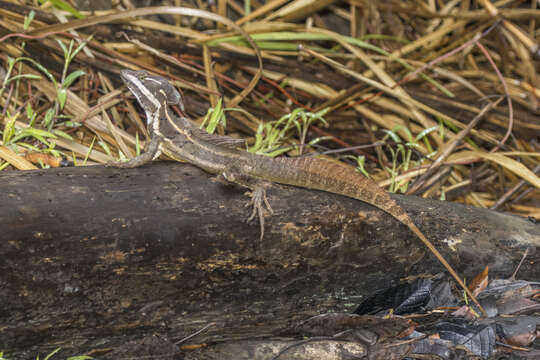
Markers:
{"x": 130, "y": 77}
{"x": 126, "y": 74}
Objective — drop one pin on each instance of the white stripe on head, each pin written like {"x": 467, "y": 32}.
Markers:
{"x": 143, "y": 91}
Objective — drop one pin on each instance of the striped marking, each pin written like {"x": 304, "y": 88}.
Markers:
{"x": 142, "y": 93}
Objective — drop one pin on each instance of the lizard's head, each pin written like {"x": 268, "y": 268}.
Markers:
{"x": 151, "y": 91}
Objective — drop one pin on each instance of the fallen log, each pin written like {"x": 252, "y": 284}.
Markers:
{"x": 94, "y": 256}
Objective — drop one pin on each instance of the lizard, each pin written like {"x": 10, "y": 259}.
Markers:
{"x": 178, "y": 138}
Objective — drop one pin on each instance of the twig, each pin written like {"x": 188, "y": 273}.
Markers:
{"x": 451, "y": 146}
{"x": 512, "y": 191}
{"x": 195, "y": 333}
{"x": 513, "y": 277}
{"x": 507, "y": 94}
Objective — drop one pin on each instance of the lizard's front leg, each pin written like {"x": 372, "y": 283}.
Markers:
{"x": 258, "y": 193}
{"x": 151, "y": 153}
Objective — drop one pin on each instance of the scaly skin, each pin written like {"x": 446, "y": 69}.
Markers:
{"x": 182, "y": 141}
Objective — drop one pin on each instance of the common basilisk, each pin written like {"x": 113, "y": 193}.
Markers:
{"x": 178, "y": 138}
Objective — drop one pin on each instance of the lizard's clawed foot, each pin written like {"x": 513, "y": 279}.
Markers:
{"x": 258, "y": 193}
{"x": 258, "y": 198}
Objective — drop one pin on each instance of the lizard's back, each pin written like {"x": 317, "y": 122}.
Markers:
{"x": 328, "y": 176}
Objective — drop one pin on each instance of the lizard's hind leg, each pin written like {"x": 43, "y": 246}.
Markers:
{"x": 257, "y": 193}
{"x": 258, "y": 197}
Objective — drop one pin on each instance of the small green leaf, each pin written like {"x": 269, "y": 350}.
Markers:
{"x": 89, "y": 151}
{"x": 443, "y": 196}
{"x": 29, "y": 111}
{"x": 52, "y": 353}
{"x": 49, "y": 115}
{"x": 403, "y": 188}
{"x": 72, "y": 77}
{"x": 80, "y": 47}
{"x": 277, "y": 152}
{"x": 11, "y": 61}
{"x": 35, "y": 133}
{"x": 29, "y": 146}
{"x": 23, "y": 76}
{"x": 74, "y": 158}
{"x": 61, "y": 95}
{"x": 40, "y": 68}
{"x": 395, "y": 137}
{"x": 407, "y": 131}
{"x": 214, "y": 117}
{"x": 62, "y": 134}
{"x": 319, "y": 139}
{"x": 9, "y": 128}
{"x": 425, "y": 132}
{"x": 64, "y": 48}
{"x": 360, "y": 165}
{"x": 38, "y": 132}
{"x": 28, "y": 19}
{"x": 71, "y": 124}
{"x": 104, "y": 146}
{"x": 412, "y": 145}
{"x": 442, "y": 129}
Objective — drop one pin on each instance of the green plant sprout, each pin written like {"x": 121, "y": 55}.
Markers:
{"x": 401, "y": 154}
{"x": 215, "y": 117}
{"x": 68, "y": 79}
{"x": 443, "y": 195}
{"x": 444, "y": 124}
{"x": 271, "y": 136}
{"x": 11, "y": 62}
{"x": 360, "y": 161}
{"x": 61, "y": 88}
{"x": 13, "y": 136}
{"x": 47, "y": 128}
{"x": 90, "y": 149}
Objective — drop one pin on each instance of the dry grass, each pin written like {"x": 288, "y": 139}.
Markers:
{"x": 440, "y": 98}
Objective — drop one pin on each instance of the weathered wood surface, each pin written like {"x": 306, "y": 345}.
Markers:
{"x": 92, "y": 257}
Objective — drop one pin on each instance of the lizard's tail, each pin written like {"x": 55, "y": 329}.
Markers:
{"x": 328, "y": 176}
{"x": 383, "y": 200}
{"x": 439, "y": 257}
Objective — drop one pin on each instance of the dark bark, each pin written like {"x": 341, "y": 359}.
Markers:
{"x": 92, "y": 257}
